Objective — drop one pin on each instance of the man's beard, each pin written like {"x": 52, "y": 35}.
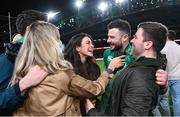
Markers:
{"x": 117, "y": 47}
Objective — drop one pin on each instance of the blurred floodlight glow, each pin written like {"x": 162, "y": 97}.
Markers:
{"x": 79, "y": 3}
{"x": 103, "y": 6}
{"x": 51, "y": 15}
{"x": 119, "y": 1}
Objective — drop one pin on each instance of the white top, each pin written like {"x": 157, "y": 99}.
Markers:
{"x": 172, "y": 51}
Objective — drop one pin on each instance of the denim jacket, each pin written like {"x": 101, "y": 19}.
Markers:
{"x": 10, "y": 97}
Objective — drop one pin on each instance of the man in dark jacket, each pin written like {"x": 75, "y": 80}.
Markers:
{"x": 119, "y": 32}
{"x": 11, "y": 97}
{"x": 135, "y": 91}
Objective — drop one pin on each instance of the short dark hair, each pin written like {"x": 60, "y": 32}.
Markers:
{"x": 155, "y": 32}
{"x": 171, "y": 35}
{"x": 25, "y": 18}
{"x": 122, "y": 25}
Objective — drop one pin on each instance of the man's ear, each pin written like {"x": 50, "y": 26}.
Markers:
{"x": 148, "y": 44}
{"x": 125, "y": 37}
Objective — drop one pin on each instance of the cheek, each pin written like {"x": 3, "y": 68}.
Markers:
{"x": 84, "y": 50}
{"x": 139, "y": 47}
{"x": 86, "y": 47}
{"x": 114, "y": 41}
{"x": 118, "y": 42}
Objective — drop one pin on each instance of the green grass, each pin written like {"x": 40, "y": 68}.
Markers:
{"x": 100, "y": 64}
{"x": 171, "y": 106}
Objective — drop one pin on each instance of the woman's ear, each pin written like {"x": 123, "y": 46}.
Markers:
{"x": 78, "y": 48}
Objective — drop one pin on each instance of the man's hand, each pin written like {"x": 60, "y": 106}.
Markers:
{"x": 117, "y": 62}
{"x": 34, "y": 76}
{"x": 88, "y": 105}
{"x": 161, "y": 78}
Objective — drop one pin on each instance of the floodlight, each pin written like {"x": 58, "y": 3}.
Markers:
{"x": 119, "y": 1}
{"x": 51, "y": 15}
{"x": 79, "y": 4}
{"x": 103, "y": 6}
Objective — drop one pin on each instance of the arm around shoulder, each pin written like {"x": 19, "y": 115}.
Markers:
{"x": 82, "y": 87}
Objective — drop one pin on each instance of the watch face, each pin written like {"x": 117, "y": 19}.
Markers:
{"x": 109, "y": 71}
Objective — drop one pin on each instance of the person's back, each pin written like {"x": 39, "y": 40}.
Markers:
{"x": 41, "y": 42}
{"x": 171, "y": 50}
{"x": 55, "y": 96}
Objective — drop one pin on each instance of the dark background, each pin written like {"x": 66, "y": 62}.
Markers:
{"x": 88, "y": 19}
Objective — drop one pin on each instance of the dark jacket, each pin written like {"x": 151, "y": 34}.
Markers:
{"x": 10, "y": 100}
{"x": 7, "y": 60}
{"x": 6, "y": 71}
{"x": 10, "y": 97}
{"x": 135, "y": 92}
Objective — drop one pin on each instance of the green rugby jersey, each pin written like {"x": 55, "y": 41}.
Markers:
{"x": 108, "y": 56}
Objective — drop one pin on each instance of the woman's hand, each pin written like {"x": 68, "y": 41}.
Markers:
{"x": 117, "y": 62}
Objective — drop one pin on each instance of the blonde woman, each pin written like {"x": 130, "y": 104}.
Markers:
{"x": 57, "y": 94}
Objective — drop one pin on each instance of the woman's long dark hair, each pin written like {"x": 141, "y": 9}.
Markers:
{"x": 89, "y": 69}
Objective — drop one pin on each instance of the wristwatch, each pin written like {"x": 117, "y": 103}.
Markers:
{"x": 110, "y": 72}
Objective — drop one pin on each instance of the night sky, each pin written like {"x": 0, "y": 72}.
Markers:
{"x": 16, "y": 6}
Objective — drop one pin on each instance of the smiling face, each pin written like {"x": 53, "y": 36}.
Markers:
{"x": 86, "y": 48}
{"x": 115, "y": 38}
{"x": 138, "y": 46}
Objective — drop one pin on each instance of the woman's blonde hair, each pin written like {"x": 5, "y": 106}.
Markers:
{"x": 41, "y": 47}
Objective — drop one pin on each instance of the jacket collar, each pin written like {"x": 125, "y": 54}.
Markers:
{"x": 144, "y": 61}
